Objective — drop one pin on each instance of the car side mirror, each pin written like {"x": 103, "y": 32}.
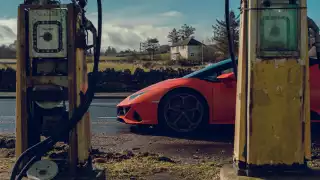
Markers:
{"x": 227, "y": 78}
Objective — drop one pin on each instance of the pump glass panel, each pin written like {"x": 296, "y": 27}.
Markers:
{"x": 278, "y": 31}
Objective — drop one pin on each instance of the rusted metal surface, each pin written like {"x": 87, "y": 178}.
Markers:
{"x": 71, "y": 84}
{"x": 21, "y": 86}
{"x": 240, "y": 123}
{"x": 273, "y": 112}
{"x": 50, "y": 80}
{"x": 73, "y": 145}
{"x": 49, "y": 95}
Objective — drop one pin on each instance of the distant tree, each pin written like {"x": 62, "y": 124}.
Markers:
{"x": 151, "y": 45}
{"x": 186, "y": 31}
{"x": 110, "y": 51}
{"x": 8, "y": 51}
{"x": 173, "y": 36}
{"x": 128, "y": 51}
{"x": 220, "y": 37}
{"x": 13, "y": 45}
{"x": 164, "y": 49}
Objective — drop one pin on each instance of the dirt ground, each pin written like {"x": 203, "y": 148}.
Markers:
{"x": 149, "y": 155}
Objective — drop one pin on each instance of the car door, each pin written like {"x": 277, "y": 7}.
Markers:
{"x": 224, "y": 100}
{"x": 315, "y": 89}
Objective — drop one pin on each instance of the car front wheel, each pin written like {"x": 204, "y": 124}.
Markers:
{"x": 183, "y": 111}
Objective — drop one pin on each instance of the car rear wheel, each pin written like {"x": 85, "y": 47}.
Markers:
{"x": 183, "y": 111}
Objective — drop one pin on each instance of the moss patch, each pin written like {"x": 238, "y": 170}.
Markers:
{"x": 149, "y": 166}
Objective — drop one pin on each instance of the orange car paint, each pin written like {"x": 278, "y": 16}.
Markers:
{"x": 220, "y": 96}
{"x": 315, "y": 88}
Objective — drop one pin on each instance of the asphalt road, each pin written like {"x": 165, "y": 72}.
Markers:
{"x": 8, "y": 61}
{"x": 102, "y": 113}
{"x": 110, "y": 135}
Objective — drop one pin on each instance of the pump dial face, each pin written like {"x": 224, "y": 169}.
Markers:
{"x": 47, "y": 37}
{"x": 48, "y": 33}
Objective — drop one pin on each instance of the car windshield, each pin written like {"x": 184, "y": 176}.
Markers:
{"x": 212, "y": 71}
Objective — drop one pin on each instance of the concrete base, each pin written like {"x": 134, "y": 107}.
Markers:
{"x": 228, "y": 172}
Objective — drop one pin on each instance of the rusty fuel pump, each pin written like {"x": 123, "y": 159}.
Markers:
{"x": 272, "y": 129}
{"x": 53, "y": 90}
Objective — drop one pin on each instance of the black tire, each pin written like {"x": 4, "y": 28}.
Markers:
{"x": 199, "y": 121}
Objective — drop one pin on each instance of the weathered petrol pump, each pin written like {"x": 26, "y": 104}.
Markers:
{"x": 53, "y": 91}
{"x": 272, "y": 131}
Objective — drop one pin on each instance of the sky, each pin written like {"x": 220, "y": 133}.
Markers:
{"x": 126, "y": 23}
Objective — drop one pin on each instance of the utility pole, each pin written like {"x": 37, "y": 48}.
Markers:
{"x": 202, "y": 52}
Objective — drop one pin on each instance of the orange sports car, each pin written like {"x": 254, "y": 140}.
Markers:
{"x": 197, "y": 99}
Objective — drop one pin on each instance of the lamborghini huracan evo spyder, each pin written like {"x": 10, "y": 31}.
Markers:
{"x": 197, "y": 99}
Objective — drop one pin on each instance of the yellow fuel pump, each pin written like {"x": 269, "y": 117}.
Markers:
{"x": 53, "y": 91}
{"x": 272, "y": 130}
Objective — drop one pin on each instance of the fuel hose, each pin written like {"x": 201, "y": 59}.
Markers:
{"x": 230, "y": 39}
{"x": 35, "y": 152}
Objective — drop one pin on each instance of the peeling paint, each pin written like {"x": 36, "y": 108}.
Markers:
{"x": 276, "y": 102}
{"x": 279, "y": 90}
{"x": 261, "y": 98}
{"x": 301, "y": 62}
{"x": 276, "y": 118}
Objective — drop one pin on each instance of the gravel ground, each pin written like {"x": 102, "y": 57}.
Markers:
{"x": 151, "y": 156}
{"x": 186, "y": 152}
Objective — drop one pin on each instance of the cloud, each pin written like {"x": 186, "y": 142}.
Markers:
{"x": 122, "y": 28}
{"x": 172, "y": 14}
{"x": 8, "y": 31}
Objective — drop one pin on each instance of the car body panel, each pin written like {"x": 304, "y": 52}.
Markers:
{"x": 220, "y": 95}
{"x": 314, "y": 81}
{"x": 147, "y": 103}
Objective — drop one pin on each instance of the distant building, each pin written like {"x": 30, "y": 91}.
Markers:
{"x": 188, "y": 49}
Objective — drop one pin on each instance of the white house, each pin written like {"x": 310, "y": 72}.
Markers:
{"x": 188, "y": 49}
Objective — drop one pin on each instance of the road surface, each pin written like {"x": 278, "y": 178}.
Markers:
{"x": 113, "y": 136}
{"x": 8, "y": 61}
{"x": 214, "y": 146}
{"x": 102, "y": 113}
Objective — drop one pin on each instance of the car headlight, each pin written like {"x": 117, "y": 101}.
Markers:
{"x": 134, "y": 96}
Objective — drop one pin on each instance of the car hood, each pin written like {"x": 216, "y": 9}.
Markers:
{"x": 153, "y": 92}
{"x": 162, "y": 85}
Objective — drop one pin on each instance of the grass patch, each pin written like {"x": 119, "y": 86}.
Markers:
{"x": 142, "y": 167}
{"x": 6, "y": 66}
{"x": 6, "y": 163}
{"x": 165, "y": 56}
{"x": 107, "y": 58}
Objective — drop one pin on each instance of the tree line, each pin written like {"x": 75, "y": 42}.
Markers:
{"x": 219, "y": 40}
{"x": 185, "y": 32}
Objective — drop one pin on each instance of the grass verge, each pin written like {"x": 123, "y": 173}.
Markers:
{"x": 141, "y": 168}
{"x": 152, "y": 166}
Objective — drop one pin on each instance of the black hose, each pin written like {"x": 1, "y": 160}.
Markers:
{"x": 230, "y": 40}
{"x": 42, "y": 147}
